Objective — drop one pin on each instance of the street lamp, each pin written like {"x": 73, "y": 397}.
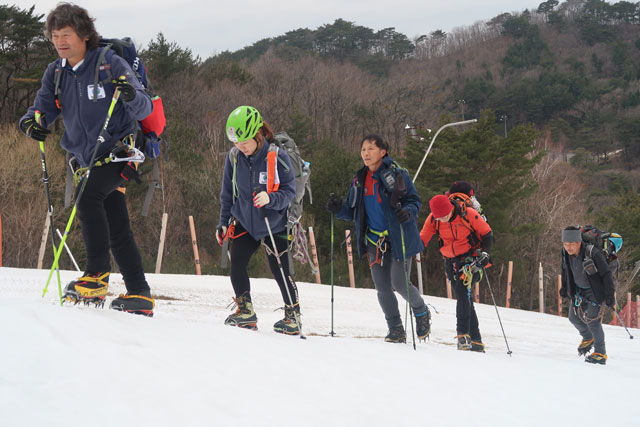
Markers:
{"x": 411, "y": 130}
{"x": 504, "y": 119}
{"x": 461, "y": 103}
{"x": 464, "y": 122}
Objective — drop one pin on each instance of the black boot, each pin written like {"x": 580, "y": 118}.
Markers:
{"x": 423, "y": 325}
{"x": 396, "y": 334}
{"x": 289, "y": 325}
{"x": 464, "y": 342}
{"x": 138, "y": 303}
{"x": 585, "y": 346}
{"x": 244, "y": 317}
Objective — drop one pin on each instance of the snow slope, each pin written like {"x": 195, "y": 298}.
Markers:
{"x": 85, "y": 366}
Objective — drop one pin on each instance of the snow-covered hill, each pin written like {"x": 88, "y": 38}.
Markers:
{"x": 79, "y": 366}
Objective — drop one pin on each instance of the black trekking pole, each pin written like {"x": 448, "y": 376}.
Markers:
{"x": 496, "y": 307}
{"x": 114, "y": 101}
{"x": 284, "y": 277}
{"x": 406, "y": 279}
{"x": 45, "y": 180}
{"x": 332, "y": 333}
{"x": 622, "y": 323}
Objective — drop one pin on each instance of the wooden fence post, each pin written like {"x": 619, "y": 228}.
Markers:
{"x": 638, "y": 311}
{"x": 163, "y": 232}
{"x": 476, "y": 293}
{"x": 509, "y": 277}
{"x": 195, "y": 246}
{"x": 314, "y": 254}
{"x": 558, "y": 295}
{"x": 352, "y": 278}
{"x": 43, "y": 243}
{"x": 541, "y": 287}
{"x": 449, "y": 293}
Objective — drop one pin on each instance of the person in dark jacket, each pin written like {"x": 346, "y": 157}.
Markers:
{"x": 256, "y": 186}
{"x": 588, "y": 282}
{"x": 465, "y": 238}
{"x": 84, "y": 107}
{"x": 382, "y": 201}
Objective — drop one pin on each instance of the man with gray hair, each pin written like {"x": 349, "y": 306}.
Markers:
{"x": 588, "y": 282}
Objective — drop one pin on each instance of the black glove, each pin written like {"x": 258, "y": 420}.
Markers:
{"x": 127, "y": 92}
{"x": 33, "y": 130}
{"x": 221, "y": 233}
{"x": 564, "y": 293}
{"x": 403, "y": 215}
{"x": 610, "y": 300}
{"x": 334, "y": 204}
{"x": 483, "y": 259}
{"x": 130, "y": 171}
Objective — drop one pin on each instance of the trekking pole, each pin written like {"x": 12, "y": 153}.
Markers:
{"x": 496, "y": 307}
{"x": 622, "y": 323}
{"x": 45, "y": 180}
{"x": 284, "y": 277}
{"x": 58, "y": 252}
{"x": 332, "y": 333}
{"x": 406, "y": 279}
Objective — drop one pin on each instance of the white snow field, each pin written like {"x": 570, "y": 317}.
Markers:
{"x": 82, "y": 366}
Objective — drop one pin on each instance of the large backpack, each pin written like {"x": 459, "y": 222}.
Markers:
{"x": 301, "y": 171}
{"x": 608, "y": 242}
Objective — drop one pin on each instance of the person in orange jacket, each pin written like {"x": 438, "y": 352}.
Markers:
{"x": 465, "y": 240}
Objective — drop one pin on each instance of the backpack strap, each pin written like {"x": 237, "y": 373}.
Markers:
{"x": 101, "y": 65}
{"x": 233, "y": 157}
{"x": 273, "y": 181}
{"x": 56, "y": 81}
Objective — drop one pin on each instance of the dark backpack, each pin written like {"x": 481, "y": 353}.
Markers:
{"x": 608, "y": 242}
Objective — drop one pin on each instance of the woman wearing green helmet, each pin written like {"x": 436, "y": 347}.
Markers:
{"x": 258, "y": 183}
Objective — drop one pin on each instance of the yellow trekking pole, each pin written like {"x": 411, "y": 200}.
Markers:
{"x": 58, "y": 252}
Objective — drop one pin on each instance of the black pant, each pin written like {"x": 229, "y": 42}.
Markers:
{"x": 243, "y": 248}
{"x": 105, "y": 225}
{"x": 466, "y": 318}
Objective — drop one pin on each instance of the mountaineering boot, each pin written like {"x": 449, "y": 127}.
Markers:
{"x": 585, "y": 346}
{"x": 477, "y": 346}
{"x": 288, "y": 325}
{"x": 597, "y": 358}
{"x": 139, "y": 303}
{"x": 396, "y": 334}
{"x": 423, "y": 325}
{"x": 89, "y": 288}
{"x": 244, "y": 317}
{"x": 464, "y": 342}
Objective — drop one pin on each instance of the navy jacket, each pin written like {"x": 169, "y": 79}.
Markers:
{"x": 601, "y": 283}
{"x": 251, "y": 173}
{"x": 84, "y": 118}
{"x": 353, "y": 210}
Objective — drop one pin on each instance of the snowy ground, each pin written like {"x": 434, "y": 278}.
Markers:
{"x": 85, "y": 366}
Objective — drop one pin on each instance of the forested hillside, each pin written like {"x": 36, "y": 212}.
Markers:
{"x": 556, "y": 92}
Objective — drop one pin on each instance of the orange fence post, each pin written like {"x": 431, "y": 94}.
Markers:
{"x": 509, "y": 277}
{"x": 352, "y": 278}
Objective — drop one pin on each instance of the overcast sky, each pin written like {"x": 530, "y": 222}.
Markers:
{"x": 208, "y": 27}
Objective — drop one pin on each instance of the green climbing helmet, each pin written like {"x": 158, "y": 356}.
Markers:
{"x": 243, "y": 124}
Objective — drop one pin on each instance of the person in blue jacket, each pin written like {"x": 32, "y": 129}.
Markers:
{"x": 69, "y": 88}
{"x": 381, "y": 201}
{"x": 258, "y": 180}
